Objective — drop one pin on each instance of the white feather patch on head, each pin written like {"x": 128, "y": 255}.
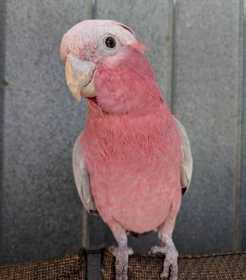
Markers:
{"x": 88, "y": 32}
{"x": 97, "y": 28}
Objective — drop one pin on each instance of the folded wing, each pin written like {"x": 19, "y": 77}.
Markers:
{"x": 82, "y": 179}
{"x": 187, "y": 160}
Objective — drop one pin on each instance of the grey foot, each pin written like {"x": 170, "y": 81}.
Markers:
{"x": 170, "y": 265}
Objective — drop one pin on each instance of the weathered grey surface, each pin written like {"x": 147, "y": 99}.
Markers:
{"x": 40, "y": 206}
{"x": 2, "y": 85}
{"x": 150, "y": 21}
{"x": 243, "y": 145}
{"x": 206, "y": 100}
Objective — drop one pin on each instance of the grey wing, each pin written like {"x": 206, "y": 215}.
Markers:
{"x": 187, "y": 160}
{"x": 81, "y": 177}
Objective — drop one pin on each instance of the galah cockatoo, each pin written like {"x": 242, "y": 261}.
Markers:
{"x": 133, "y": 160}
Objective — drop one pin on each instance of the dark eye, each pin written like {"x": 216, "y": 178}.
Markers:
{"x": 110, "y": 42}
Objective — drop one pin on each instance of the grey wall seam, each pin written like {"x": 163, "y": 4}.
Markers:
{"x": 172, "y": 75}
{"x": 171, "y": 25}
{"x": 174, "y": 70}
{"x": 94, "y": 9}
{"x": 88, "y": 9}
{"x": 238, "y": 148}
{"x": 243, "y": 121}
{"x": 3, "y": 84}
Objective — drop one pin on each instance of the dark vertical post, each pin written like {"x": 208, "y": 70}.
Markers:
{"x": 92, "y": 227}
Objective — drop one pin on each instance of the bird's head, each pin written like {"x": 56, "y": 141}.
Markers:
{"x": 105, "y": 63}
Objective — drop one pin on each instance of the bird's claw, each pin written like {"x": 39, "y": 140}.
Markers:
{"x": 114, "y": 251}
{"x": 157, "y": 250}
{"x": 170, "y": 265}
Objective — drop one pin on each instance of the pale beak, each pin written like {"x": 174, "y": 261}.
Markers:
{"x": 79, "y": 77}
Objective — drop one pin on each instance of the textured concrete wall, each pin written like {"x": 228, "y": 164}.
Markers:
{"x": 40, "y": 209}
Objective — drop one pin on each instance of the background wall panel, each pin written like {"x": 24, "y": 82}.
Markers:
{"x": 2, "y": 86}
{"x": 40, "y": 208}
{"x": 243, "y": 144}
{"x": 207, "y": 100}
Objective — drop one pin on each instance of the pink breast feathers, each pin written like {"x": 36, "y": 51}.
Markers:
{"x": 134, "y": 166}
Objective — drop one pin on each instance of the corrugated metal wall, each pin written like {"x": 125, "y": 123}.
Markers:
{"x": 40, "y": 210}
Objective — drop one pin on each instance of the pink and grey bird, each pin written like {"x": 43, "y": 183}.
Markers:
{"x": 133, "y": 160}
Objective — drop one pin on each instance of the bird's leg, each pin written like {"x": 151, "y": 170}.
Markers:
{"x": 170, "y": 265}
{"x": 121, "y": 252}
{"x": 167, "y": 247}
